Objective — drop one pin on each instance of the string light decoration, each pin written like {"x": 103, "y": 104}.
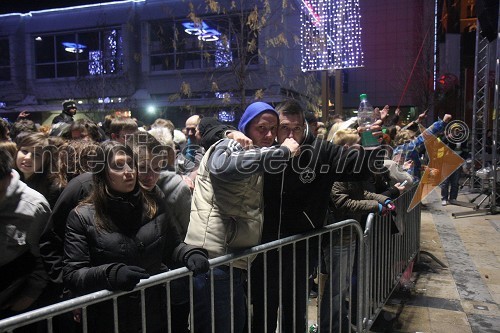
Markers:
{"x": 223, "y": 55}
{"x": 330, "y": 34}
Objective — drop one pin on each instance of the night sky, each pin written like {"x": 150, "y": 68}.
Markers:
{"x": 24, "y": 6}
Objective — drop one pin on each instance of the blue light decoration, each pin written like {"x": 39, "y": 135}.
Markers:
{"x": 95, "y": 63}
{"x": 202, "y": 30}
{"x": 226, "y": 116}
{"x": 330, "y": 35}
{"x": 73, "y": 47}
{"x": 96, "y": 58}
{"x": 223, "y": 55}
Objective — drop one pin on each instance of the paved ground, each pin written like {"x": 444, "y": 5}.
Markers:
{"x": 464, "y": 296}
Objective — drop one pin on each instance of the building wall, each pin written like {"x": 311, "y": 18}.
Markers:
{"x": 392, "y": 34}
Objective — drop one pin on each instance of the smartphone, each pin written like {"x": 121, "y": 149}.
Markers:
{"x": 403, "y": 183}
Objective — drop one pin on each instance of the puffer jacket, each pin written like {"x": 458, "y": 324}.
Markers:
{"x": 227, "y": 207}
{"x": 89, "y": 254}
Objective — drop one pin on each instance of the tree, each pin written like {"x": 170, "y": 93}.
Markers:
{"x": 233, "y": 37}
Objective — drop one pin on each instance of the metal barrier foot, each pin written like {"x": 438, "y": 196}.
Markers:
{"x": 433, "y": 257}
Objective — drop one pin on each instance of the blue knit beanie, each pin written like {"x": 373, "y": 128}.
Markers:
{"x": 252, "y": 111}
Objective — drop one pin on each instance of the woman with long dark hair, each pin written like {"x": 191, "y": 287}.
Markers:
{"x": 119, "y": 235}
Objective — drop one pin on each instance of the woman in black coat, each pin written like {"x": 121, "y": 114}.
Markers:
{"x": 119, "y": 235}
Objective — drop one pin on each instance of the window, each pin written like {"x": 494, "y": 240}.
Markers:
{"x": 4, "y": 60}
{"x": 213, "y": 43}
{"x": 78, "y": 54}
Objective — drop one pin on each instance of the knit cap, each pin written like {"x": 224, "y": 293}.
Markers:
{"x": 252, "y": 111}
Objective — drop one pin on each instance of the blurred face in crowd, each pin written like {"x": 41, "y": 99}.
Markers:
{"x": 191, "y": 128}
{"x": 262, "y": 129}
{"x": 150, "y": 165}
{"x": 29, "y": 160}
{"x": 80, "y": 135}
{"x": 121, "y": 175}
{"x": 122, "y": 135}
{"x": 291, "y": 126}
{"x": 72, "y": 111}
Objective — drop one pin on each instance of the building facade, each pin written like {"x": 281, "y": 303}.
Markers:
{"x": 173, "y": 58}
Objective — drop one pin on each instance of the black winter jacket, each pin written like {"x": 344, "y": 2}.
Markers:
{"x": 90, "y": 254}
{"x": 296, "y": 199}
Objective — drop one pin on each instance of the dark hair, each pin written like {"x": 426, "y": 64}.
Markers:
{"x": 291, "y": 107}
{"x": 23, "y": 125}
{"x": 119, "y": 124}
{"x": 141, "y": 142}
{"x": 4, "y": 129}
{"x": 88, "y": 125}
{"x": 72, "y": 160}
{"x": 6, "y": 163}
{"x": 99, "y": 195}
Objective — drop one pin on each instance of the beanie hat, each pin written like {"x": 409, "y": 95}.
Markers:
{"x": 210, "y": 128}
{"x": 252, "y": 111}
{"x": 68, "y": 105}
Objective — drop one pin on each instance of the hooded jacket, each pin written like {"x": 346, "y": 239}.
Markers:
{"x": 23, "y": 216}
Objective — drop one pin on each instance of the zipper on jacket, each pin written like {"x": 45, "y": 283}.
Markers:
{"x": 307, "y": 217}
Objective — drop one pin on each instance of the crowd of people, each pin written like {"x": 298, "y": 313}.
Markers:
{"x": 86, "y": 207}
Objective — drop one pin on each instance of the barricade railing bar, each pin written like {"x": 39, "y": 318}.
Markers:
{"x": 380, "y": 260}
{"x": 389, "y": 253}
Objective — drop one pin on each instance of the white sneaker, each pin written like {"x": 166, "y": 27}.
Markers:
{"x": 444, "y": 202}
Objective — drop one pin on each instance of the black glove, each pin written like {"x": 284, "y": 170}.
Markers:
{"x": 126, "y": 277}
{"x": 197, "y": 263}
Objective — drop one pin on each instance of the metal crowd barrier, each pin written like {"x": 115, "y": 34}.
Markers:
{"x": 312, "y": 240}
{"x": 389, "y": 253}
{"x": 380, "y": 261}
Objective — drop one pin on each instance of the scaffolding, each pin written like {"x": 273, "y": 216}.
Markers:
{"x": 481, "y": 122}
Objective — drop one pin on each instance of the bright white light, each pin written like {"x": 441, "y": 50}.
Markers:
{"x": 151, "y": 109}
{"x": 330, "y": 34}
{"x": 38, "y": 38}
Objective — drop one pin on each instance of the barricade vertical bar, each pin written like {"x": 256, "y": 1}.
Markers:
{"x": 294, "y": 284}
{"x": 231, "y": 296}
{"x": 85, "y": 326}
{"x": 191, "y": 303}
{"x": 280, "y": 286}
{"x": 265, "y": 292}
{"x": 249, "y": 296}
{"x": 169, "y": 307}
{"x": 212, "y": 300}
{"x": 361, "y": 279}
{"x": 50, "y": 327}
{"x": 143, "y": 310}
{"x": 115, "y": 315}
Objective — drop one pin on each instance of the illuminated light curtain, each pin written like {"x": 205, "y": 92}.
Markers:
{"x": 223, "y": 55}
{"x": 95, "y": 63}
{"x": 330, "y": 34}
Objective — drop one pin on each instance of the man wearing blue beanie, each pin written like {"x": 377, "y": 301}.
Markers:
{"x": 227, "y": 215}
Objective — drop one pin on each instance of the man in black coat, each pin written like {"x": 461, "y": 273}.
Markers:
{"x": 66, "y": 116}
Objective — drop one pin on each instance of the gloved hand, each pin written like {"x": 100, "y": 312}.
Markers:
{"x": 385, "y": 210}
{"x": 127, "y": 277}
{"x": 390, "y": 205}
{"x": 197, "y": 263}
